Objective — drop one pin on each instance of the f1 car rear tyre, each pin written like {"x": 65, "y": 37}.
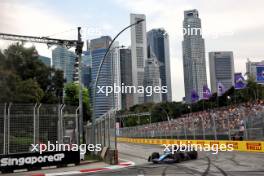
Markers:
{"x": 155, "y": 155}
{"x": 177, "y": 157}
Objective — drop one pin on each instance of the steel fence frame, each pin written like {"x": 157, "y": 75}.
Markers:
{"x": 105, "y": 130}
{"x": 24, "y": 124}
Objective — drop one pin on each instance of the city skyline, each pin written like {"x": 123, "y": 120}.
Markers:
{"x": 243, "y": 37}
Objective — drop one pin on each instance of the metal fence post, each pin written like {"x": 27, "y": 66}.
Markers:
{"x": 5, "y": 127}
{"x": 60, "y": 124}
{"x": 115, "y": 130}
{"x": 193, "y": 130}
{"x": 77, "y": 132}
{"x": 109, "y": 127}
{"x": 203, "y": 128}
{"x": 8, "y": 127}
{"x": 34, "y": 123}
{"x": 214, "y": 126}
{"x": 246, "y": 131}
{"x": 103, "y": 132}
{"x": 228, "y": 124}
{"x": 184, "y": 126}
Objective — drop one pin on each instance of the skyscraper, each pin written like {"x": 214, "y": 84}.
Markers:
{"x": 45, "y": 60}
{"x": 194, "y": 65}
{"x": 221, "y": 66}
{"x": 138, "y": 54}
{"x": 116, "y": 77}
{"x": 158, "y": 41}
{"x": 152, "y": 79}
{"x": 103, "y": 102}
{"x": 86, "y": 69}
{"x": 126, "y": 76}
{"x": 64, "y": 60}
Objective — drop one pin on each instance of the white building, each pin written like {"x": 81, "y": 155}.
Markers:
{"x": 138, "y": 54}
{"x": 252, "y": 66}
{"x": 222, "y": 70}
{"x": 115, "y": 54}
{"x": 152, "y": 79}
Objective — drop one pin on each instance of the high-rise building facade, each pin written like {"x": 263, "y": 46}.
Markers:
{"x": 86, "y": 69}
{"x": 115, "y": 58}
{"x": 152, "y": 80}
{"x": 64, "y": 60}
{"x": 45, "y": 60}
{"x": 251, "y": 67}
{"x": 194, "y": 64}
{"x": 103, "y": 103}
{"x": 126, "y": 77}
{"x": 158, "y": 41}
{"x": 138, "y": 54}
{"x": 222, "y": 70}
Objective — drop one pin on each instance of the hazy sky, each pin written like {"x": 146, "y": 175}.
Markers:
{"x": 232, "y": 25}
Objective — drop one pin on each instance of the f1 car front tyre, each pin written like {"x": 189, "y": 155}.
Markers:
{"x": 154, "y": 155}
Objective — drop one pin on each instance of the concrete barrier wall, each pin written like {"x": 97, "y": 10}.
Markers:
{"x": 244, "y": 146}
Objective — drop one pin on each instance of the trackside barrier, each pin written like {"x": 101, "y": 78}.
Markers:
{"x": 243, "y": 146}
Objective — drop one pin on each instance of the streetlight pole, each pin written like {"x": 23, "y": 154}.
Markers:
{"x": 168, "y": 119}
{"x": 97, "y": 77}
{"x": 167, "y": 115}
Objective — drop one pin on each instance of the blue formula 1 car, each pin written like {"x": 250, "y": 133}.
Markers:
{"x": 175, "y": 156}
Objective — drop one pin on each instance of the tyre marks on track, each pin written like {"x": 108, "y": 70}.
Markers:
{"x": 209, "y": 164}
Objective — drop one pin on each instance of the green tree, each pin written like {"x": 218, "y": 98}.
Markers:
{"x": 8, "y": 83}
{"x": 21, "y": 64}
{"x": 28, "y": 91}
{"x": 72, "y": 98}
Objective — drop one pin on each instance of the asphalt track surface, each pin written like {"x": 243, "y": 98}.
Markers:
{"x": 207, "y": 164}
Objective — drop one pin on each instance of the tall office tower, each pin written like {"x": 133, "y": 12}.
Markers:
{"x": 64, "y": 60}
{"x": 194, "y": 65}
{"x": 45, "y": 60}
{"x": 152, "y": 79}
{"x": 252, "y": 67}
{"x": 103, "y": 102}
{"x": 222, "y": 70}
{"x": 86, "y": 69}
{"x": 126, "y": 77}
{"x": 115, "y": 55}
{"x": 158, "y": 41}
{"x": 138, "y": 54}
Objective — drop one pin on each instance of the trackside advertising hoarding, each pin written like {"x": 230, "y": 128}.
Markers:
{"x": 243, "y": 146}
{"x": 9, "y": 163}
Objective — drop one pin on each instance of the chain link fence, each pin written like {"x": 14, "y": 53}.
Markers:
{"x": 105, "y": 131}
{"x": 204, "y": 127}
{"x": 24, "y": 124}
